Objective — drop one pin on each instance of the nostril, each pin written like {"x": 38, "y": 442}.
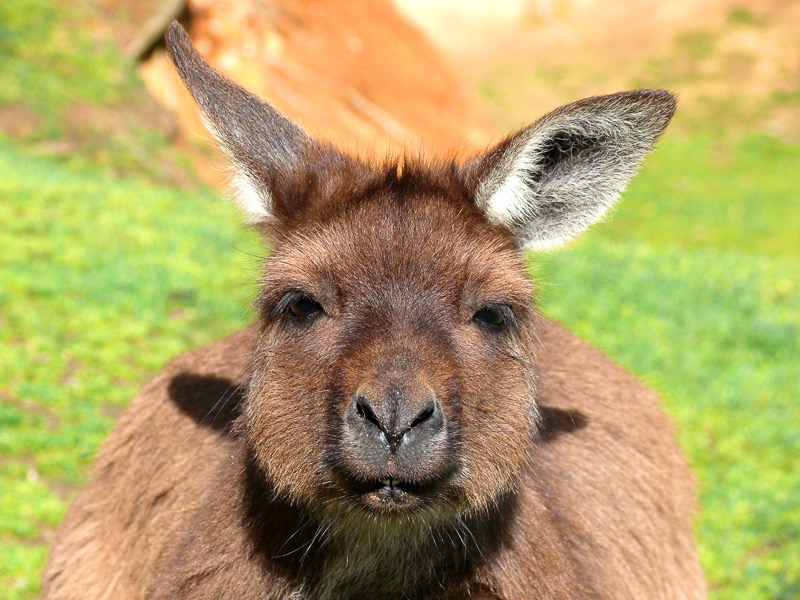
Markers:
{"x": 426, "y": 413}
{"x": 364, "y": 410}
{"x": 361, "y": 409}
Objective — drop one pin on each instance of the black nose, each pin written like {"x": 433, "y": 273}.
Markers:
{"x": 401, "y": 423}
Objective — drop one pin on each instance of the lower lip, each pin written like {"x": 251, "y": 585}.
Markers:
{"x": 391, "y": 498}
{"x": 388, "y": 495}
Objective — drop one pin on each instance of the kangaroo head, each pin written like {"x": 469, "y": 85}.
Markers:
{"x": 395, "y": 372}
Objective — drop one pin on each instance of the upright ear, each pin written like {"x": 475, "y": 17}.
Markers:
{"x": 261, "y": 143}
{"x": 560, "y": 175}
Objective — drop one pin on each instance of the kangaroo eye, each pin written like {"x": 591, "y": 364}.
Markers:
{"x": 297, "y": 306}
{"x": 304, "y": 306}
{"x": 494, "y": 316}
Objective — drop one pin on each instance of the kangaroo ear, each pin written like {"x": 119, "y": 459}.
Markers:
{"x": 261, "y": 143}
{"x": 552, "y": 180}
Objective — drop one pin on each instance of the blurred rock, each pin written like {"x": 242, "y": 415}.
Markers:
{"x": 355, "y": 73}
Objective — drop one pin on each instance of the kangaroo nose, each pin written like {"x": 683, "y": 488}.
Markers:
{"x": 398, "y": 421}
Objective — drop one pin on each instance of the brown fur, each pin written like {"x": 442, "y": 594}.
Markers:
{"x": 249, "y": 468}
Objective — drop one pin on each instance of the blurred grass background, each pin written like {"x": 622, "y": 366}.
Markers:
{"x": 113, "y": 258}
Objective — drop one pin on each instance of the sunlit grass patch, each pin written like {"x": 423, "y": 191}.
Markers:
{"x": 701, "y": 191}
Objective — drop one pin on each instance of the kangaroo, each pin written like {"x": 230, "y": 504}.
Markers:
{"x": 399, "y": 422}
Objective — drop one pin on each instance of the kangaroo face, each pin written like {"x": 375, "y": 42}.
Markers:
{"x": 394, "y": 369}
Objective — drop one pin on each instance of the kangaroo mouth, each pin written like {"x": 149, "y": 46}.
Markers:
{"x": 387, "y": 488}
{"x": 390, "y": 494}
{"x": 392, "y": 487}
{"x": 389, "y": 485}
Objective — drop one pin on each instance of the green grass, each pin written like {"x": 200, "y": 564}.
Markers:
{"x": 48, "y": 65}
{"x": 700, "y": 192}
{"x": 71, "y": 93}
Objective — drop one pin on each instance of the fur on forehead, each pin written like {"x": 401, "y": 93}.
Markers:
{"x": 326, "y": 185}
{"x": 416, "y": 224}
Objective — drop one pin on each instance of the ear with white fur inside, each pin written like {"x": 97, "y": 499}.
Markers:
{"x": 554, "y": 179}
{"x": 260, "y": 142}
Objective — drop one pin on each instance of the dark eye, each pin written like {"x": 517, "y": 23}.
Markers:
{"x": 494, "y": 316}
{"x": 297, "y": 305}
{"x": 304, "y": 306}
